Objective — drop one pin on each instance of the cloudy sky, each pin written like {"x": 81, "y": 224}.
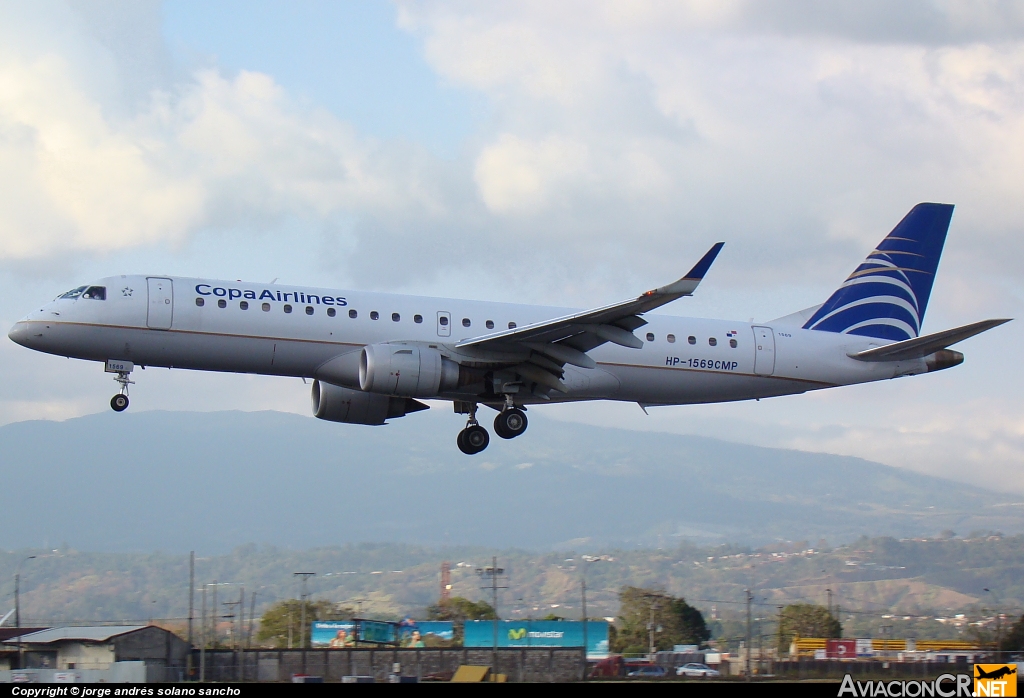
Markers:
{"x": 572, "y": 153}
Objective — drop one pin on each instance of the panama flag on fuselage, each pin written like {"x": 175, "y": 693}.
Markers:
{"x": 886, "y": 296}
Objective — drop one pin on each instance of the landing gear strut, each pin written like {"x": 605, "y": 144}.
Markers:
{"x": 474, "y": 438}
{"x": 119, "y": 403}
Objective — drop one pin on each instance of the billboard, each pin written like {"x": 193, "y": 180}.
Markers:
{"x": 333, "y": 633}
{"x": 539, "y": 633}
{"x": 425, "y": 633}
{"x": 841, "y": 649}
{"x": 408, "y": 633}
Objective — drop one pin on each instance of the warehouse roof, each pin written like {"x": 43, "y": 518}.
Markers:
{"x": 87, "y": 633}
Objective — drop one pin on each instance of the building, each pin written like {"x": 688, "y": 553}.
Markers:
{"x": 9, "y": 652}
{"x": 100, "y": 647}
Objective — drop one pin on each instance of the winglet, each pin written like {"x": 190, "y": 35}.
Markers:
{"x": 688, "y": 284}
{"x": 701, "y": 267}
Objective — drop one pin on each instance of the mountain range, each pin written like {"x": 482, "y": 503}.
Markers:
{"x": 210, "y": 481}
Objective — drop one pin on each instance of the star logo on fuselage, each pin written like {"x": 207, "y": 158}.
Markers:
{"x": 126, "y": 291}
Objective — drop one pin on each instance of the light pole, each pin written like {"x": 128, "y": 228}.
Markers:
{"x": 493, "y": 573}
{"x": 17, "y": 609}
{"x": 999, "y": 625}
{"x": 587, "y": 561}
{"x": 302, "y": 629}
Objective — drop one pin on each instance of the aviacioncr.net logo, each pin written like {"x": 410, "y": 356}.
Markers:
{"x": 946, "y": 686}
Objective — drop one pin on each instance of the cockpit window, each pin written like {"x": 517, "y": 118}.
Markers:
{"x": 96, "y": 293}
{"x": 73, "y": 293}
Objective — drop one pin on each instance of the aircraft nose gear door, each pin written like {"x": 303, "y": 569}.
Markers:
{"x": 444, "y": 324}
{"x": 161, "y": 304}
{"x": 764, "y": 357}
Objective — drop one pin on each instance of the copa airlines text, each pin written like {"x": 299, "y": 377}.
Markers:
{"x": 372, "y": 355}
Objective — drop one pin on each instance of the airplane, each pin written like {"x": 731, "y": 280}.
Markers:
{"x": 372, "y": 356}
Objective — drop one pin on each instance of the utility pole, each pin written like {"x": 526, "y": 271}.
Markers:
{"x": 829, "y": 592}
{"x": 17, "y": 609}
{"x": 302, "y": 630}
{"x": 202, "y": 641}
{"x": 238, "y": 643}
{"x": 778, "y": 652}
{"x": 493, "y": 573}
{"x": 750, "y": 598}
{"x": 446, "y": 582}
{"x": 583, "y": 588}
{"x": 252, "y": 616}
{"x": 213, "y": 615}
{"x": 191, "y": 609}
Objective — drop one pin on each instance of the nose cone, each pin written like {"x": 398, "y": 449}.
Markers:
{"x": 20, "y": 334}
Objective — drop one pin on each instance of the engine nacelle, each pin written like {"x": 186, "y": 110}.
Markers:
{"x": 408, "y": 370}
{"x": 337, "y": 404}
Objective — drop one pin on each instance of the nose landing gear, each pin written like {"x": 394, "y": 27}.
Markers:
{"x": 119, "y": 403}
{"x": 474, "y": 438}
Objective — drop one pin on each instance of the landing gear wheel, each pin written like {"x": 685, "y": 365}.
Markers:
{"x": 510, "y": 423}
{"x": 119, "y": 403}
{"x": 473, "y": 439}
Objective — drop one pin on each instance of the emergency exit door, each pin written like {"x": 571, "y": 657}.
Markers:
{"x": 161, "y": 304}
{"x": 764, "y": 351}
{"x": 444, "y": 324}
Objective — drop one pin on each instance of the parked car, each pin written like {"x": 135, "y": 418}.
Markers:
{"x": 651, "y": 671}
{"x": 694, "y": 669}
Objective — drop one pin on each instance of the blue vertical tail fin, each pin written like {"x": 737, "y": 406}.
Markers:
{"x": 886, "y": 296}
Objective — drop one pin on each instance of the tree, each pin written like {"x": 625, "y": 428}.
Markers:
{"x": 1014, "y": 639}
{"x": 675, "y": 621}
{"x": 282, "y": 620}
{"x": 459, "y": 609}
{"x": 807, "y": 620}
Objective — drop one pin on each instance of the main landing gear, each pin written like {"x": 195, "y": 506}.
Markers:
{"x": 510, "y": 423}
{"x": 474, "y": 438}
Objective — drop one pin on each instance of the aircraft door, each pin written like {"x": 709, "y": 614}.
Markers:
{"x": 161, "y": 304}
{"x": 764, "y": 356}
{"x": 444, "y": 323}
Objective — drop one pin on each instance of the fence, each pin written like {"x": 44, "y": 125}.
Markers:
{"x": 526, "y": 664}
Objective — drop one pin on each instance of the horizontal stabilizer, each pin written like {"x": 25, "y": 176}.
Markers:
{"x": 919, "y": 347}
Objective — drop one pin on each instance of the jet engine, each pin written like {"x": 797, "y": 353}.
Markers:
{"x": 336, "y": 404}
{"x": 406, "y": 369}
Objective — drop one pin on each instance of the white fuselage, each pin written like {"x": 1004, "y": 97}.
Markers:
{"x": 157, "y": 321}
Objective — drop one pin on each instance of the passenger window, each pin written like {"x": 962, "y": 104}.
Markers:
{"x": 309, "y": 310}
{"x": 331, "y": 312}
{"x": 287, "y": 308}
{"x": 511, "y": 325}
{"x": 244, "y": 305}
{"x": 712, "y": 341}
{"x": 691, "y": 339}
{"x": 395, "y": 317}
{"x": 732, "y": 343}
{"x": 200, "y": 302}
{"x": 650, "y": 336}
{"x": 443, "y": 321}
{"x": 671, "y": 338}
{"x": 266, "y": 307}
{"x": 96, "y": 293}
{"x": 222, "y": 303}
{"x": 417, "y": 319}
{"x": 489, "y": 324}
{"x": 353, "y": 314}
{"x": 374, "y": 315}
{"x": 466, "y": 322}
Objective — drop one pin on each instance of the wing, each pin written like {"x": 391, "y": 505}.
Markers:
{"x": 566, "y": 340}
{"x": 919, "y": 347}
